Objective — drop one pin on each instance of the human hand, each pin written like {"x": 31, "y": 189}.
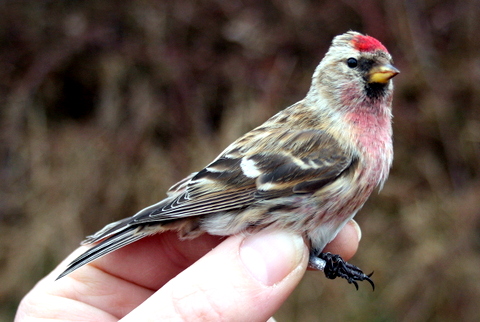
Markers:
{"x": 159, "y": 278}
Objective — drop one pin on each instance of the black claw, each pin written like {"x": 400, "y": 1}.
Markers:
{"x": 354, "y": 283}
{"x": 371, "y": 283}
{"x": 336, "y": 267}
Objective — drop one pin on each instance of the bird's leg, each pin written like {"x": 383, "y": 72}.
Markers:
{"x": 334, "y": 266}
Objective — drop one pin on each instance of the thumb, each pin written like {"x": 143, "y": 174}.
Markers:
{"x": 245, "y": 278}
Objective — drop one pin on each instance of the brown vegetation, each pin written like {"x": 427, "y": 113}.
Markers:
{"x": 105, "y": 104}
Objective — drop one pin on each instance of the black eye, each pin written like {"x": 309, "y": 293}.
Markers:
{"x": 352, "y": 62}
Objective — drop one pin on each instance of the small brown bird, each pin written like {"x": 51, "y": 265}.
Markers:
{"x": 308, "y": 169}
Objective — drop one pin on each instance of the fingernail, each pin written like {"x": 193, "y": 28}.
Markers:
{"x": 357, "y": 228}
{"x": 271, "y": 255}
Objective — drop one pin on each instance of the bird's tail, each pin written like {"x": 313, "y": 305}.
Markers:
{"x": 117, "y": 240}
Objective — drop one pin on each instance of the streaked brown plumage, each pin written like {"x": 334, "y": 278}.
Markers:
{"x": 308, "y": 169}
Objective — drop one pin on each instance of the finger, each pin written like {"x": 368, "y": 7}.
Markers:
{"x": 149, "y": 262}
{"x": 243, "y": 279}
{"x": 93, "y": 290}
{"x": 41, "y": 305}
{"x": 154, "y": 260}
{"x": 120, "y": 281}
{"x": 346, "y": 242}
{"x": 132, "y": 274}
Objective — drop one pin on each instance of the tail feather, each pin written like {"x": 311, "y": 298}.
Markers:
{"x": 109, "y": 230}
{"x": 110, "y": 244}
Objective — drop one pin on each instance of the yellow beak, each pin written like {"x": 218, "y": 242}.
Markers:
{"x": 382, "y": 74}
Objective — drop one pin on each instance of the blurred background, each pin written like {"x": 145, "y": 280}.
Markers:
{"x": 105, "y": 104}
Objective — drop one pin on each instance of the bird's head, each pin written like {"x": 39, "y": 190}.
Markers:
{"x": 356, "y": 69}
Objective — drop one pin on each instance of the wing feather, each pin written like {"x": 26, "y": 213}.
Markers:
{"x": 288, "y": 162}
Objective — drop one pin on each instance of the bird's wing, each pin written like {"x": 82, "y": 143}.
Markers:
{"x": 276, "y": 165}
{"x": 293, "y": 161}
{"x": 307, "y": 161}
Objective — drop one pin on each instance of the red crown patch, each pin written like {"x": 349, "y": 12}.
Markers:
{"x": 367, "y": 43}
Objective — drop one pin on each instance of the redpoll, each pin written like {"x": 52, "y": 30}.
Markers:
{"x": 308, "y": 169}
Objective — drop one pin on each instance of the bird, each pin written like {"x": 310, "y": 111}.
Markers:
{"x": 308, "y": 169}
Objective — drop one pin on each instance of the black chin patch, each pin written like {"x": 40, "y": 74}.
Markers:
{"x": 376, "y": 91}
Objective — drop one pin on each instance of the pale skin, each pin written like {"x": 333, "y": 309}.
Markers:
{"x": 159, "y": 278}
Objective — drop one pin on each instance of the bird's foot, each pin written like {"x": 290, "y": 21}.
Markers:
{"x": 334, "y": 266}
